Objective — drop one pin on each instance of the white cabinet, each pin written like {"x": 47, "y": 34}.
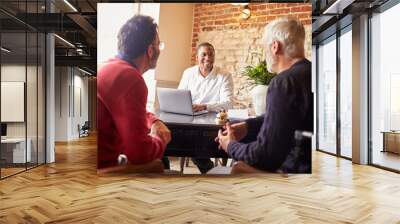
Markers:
{"x": 16, "y": 148}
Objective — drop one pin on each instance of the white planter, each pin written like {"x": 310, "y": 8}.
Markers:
{"x": 259, "y": 98}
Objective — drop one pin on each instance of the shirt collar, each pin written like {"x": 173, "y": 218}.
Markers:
{"x": 210, "y": 75}
{"x": 126, "y": 59}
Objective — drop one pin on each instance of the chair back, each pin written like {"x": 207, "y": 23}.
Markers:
{"x": 85, "y": 126}
{"x": 299, "y": 158}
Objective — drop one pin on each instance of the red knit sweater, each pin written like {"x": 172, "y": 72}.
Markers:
{"x": 123, "y": 122}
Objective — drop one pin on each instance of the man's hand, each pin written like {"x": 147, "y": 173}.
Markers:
{"x": 239, "y": 131}
{"x": 199, "y": 107}
{"x": 225, "y": 139}
{"x": 158, "y": 128}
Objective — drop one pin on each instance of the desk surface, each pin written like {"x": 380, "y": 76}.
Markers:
{"x": 391, "y": 132}
{"x": 205, "y": 120}
{"x": 13, "y": 140}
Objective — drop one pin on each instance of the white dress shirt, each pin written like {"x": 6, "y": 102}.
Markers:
{"x": 215, "y": 90}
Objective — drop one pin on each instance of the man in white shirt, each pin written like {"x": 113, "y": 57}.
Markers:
{"x": 211, "y": 89}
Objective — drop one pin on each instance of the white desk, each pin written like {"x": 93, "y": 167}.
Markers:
{"x": 17, "y": 147}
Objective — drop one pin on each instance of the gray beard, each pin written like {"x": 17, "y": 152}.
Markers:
{"x": 270, "y": 62}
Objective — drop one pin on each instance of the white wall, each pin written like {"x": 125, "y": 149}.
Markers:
{"x": 13, "y": 72}
{"x": 176, "y": 56}
{"x": 173, "y": 60}
{"x": 16, "y": 72}
{"x": 70, "y": 84}
{"x": 80, "y": 96}
{"x": 85, "y": 98}
{"x": 33, "y": 126}
{"x": 314, "y": 90}
{"x": 153, "y": 10}
{"x": 61, "y": 104}
{"x": 108, "y": 24}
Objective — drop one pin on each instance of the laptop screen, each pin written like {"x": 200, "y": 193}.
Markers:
{"x": 175, "y": 100}
{"x": 3, "y": 129}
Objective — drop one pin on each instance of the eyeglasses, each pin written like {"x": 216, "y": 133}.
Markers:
{"x": 161, "y": 46}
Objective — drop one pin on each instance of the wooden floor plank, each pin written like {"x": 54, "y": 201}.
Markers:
{"x": 70, "y": 191}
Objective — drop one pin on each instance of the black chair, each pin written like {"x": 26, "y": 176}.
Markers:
{"x": 299, "y": 158}
{"x": 84, "y": 130}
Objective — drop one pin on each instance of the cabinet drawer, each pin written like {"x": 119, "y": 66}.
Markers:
{"x": 392, "y": 142}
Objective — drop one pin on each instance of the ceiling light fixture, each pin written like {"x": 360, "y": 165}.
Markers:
{"x": 241, "y": 4}
{"x": 84, "y": 71}
{"x": 82, "y": 52}
{"x": 337, "y": 7}
{"x": 65, "y": 41}
{"x": 70, "y": 5}
{"x": 5, "y": 50}
{"x": 245, "y": 13}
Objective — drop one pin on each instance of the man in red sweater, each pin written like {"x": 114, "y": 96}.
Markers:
{"x": 124, "y": 125}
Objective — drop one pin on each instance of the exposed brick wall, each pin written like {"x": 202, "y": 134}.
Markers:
{"x": 238, "y": 41}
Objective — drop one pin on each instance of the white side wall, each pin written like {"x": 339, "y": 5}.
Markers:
{"x": 61, "y": 104}
{"x": 50, "y": 99}
{"x": 314, "y": 90}
{"x": 71, "y": 102}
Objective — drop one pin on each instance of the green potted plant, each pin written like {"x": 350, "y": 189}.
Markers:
{"x": 258, "y": 73}
{"x": 261, "y": 77}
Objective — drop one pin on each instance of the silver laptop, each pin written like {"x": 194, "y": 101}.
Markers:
{"x": 177, "y": 101}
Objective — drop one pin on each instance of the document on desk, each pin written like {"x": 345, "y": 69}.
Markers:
{"x": 238, "y": 114}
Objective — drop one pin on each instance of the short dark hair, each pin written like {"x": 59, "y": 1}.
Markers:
{"x": 136, "y": 35}
{"x": 204, "y": 44}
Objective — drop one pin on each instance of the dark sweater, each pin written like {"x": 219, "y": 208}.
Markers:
{"x": 289, "y": 107}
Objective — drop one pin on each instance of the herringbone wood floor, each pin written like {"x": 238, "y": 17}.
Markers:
{"x": 70, "y": 191}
